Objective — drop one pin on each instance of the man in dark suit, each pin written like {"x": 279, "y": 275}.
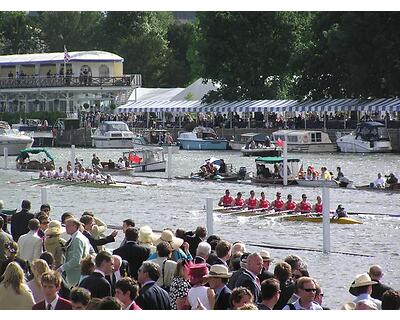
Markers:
{"x": 19, "y": 221}
{"x": 217, "y": 279}
{"x": 265, "y": 273}
{"x": 51, "y": 282}
{"x": 132, "y": 252}
{"x": 378, "y": 289}
{"x": 120, "y": 271}
{"x": 96, "y": 283}
{"x": 249, "y": 278}
{"x": 151, "y": 296}
{"x": 283, "y": 272}
{"x": 270, "y": 292}
{"x": 232, "y": 281}
{"x": 199, "y": 235}
{"x": 223, "y": 251}
{"x": 88, "y": 223}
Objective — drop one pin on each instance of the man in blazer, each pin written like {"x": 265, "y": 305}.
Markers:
{"x": 249, "y": 278}
{"x": 151, "y": 296}
{"x": 19, "y": 221}
{"x": 217, "y": 279}
{"x": 97, "y": 283}
{"x": 132, "y": 252}
{"x": 77, "y": 248}
{"x": 88, "y": 223}
{"x": 30, "y": 244}
{"x": 51, "y": 282}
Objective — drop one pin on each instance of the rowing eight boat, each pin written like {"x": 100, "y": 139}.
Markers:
{"x": 87, "y": 184}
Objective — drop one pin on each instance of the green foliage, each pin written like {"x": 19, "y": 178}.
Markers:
{"x": 15, "y": 117}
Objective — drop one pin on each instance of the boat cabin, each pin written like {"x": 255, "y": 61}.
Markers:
{"x": 44, "y": 159}
{"x": 270, "y": 169}
{"x": 371, "y": 131}
{"x": 205, "y": 133}
{"x": 305, "y": 140}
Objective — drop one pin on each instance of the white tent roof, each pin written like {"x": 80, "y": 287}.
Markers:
{"x": 195, "y": 91}
{"x": 59, "y": 57}
{"x": 155, "y": 94}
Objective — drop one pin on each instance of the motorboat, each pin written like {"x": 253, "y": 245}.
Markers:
{"x": 155, "y": 138}
{"x": 305, "y": 140}
{"x": 274, "y": 175}
{"x": 146, "y": 159}
{"x": 201, "y": 138}
{"x": 324, "y": 184}
{"x": 13, "y": 140}
{"x": 241, "y": 142}
{"x": 112, "y": 134}
{"x": 260, "y": 145}
{"x": 25, "y": 162}
{"x": 369, "y": 137}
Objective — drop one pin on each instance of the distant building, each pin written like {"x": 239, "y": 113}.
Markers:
{"x": 45, "y": 82}
{"x": 184, "y": 16}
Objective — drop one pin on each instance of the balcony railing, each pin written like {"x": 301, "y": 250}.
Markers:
{"x": 134, "y": 80}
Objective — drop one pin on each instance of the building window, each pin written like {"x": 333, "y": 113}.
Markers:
{"x": 104, "y": 71}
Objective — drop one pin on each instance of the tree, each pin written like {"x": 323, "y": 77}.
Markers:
{"x": 249, "y": 53}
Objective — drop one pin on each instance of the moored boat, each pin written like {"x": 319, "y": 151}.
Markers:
{"x": 112, "y": 134}
{"x": 201, "y": 138}
{"x": 260, "y": 145}
{"x": 13, "y": 140}
{"x": 25, "y": 163}
{"x": 146, "y": 159}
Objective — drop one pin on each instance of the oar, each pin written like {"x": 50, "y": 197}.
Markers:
{"x": 22, "y": 181}
{"x": 374, "y": 214}
{"x": 138, "y": 183}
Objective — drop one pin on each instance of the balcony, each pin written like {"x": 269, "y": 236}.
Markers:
{"x": 134, "y": 81}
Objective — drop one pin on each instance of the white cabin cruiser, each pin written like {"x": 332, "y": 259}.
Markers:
{"x": 112, "y": 134}
{"x": 13, "y": 140}
{"x": 369, "y": 136}
{"x": 305, "y": 140}
{"x": 146, "y": 160}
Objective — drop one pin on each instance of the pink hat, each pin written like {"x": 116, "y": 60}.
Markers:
{"x": 198, "y": 272}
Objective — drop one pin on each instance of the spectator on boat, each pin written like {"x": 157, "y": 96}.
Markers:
{"x": 239, "y": 201}
{"x": 121, "y": 163}
{"x": 391, "y": 180}
{"x": 340, "y": 212}
{"x": 222, "y": 167}
{"x": 227, "y": 200}
{"x": 96, "y": 162}
{"x": 19, "y": 221}
{"x": 340, "y": 174}
{"x": 111, "y": 164}
{"x": 290, "y": 204}
{"x": 378, "y": 183}
{"x": 14, "y": 293}
{"x": 317, "y": 208}
{"x": 325, "y": 175}
{"x": 39, "y": 266}
{"x": 263, "y": 202}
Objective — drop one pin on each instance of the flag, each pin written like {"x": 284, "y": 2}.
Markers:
{"x": 134, "y": 158}
{"x": 280, "y": 143}
{"x": 66, "y": 55}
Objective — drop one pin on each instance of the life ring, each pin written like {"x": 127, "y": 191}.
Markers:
{"x": 305, "y": 139}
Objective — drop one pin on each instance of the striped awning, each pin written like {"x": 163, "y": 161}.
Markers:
{"x": 325, "y": 105}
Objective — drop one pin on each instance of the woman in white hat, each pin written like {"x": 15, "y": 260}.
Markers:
{"x": 53, "y": 242}
{"x": 145, "y": 238}
{"x": 176, "y": 243}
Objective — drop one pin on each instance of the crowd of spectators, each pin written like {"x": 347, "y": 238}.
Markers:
{"x": 46, "y": 264}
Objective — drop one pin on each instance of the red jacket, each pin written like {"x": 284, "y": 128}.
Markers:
{"x": 62, "y": 304}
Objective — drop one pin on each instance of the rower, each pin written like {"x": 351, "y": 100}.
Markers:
{"x": 109, "y": 179}
{"x": 68, "y": 173}
{"x": 59, "y": 174}
{"x": 318, "y": 205}
{"x": 251, "y": 202}
{"x": 263, "y": 202}
{"x": 75, "y": 174}
{"x": 290, "y": 204}
{"x": 82, "y": 174}
{"x": 96, "y": 161}
{"x": 379, "y": 183}
{"x": 43, "y": 173}
{"x": 239, "y": 201}
{"x": 227, "y": 200}
{"x": 340, "y": 212}
{"x": 277, "y": 204}
{"x": 304, "y": 206}
{"x": 97, "y": 176}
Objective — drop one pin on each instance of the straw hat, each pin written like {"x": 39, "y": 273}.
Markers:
{"x": 169, "y": 237}
{"x": 265, "y": 255}
{"x": 362, "y": 280}
{"x": 145, "y": 235}
{"x": 54, "y": 229}
{"x": 349, "y": 306}
{"x": 219, "y": 271}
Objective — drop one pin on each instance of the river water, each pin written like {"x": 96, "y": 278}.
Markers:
{"x": 178, "y": 203}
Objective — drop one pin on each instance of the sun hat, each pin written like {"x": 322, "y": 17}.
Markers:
{"x": 54, "y": 228}
{"x": 198, "y": 271}
{"x": 219, "y": 271}
{"x": 362, "y": 280}
{"x": 145, "y": 235}
{"x": 169, "y": 237}
{"x": 265, "y": 255}
{"x": 349, "y": 306}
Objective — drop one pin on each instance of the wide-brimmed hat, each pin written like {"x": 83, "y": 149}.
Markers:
{"x": 362, "y": 280}
{"x": 219, "y": 271}
{"x": 265, "y": 255}
{"x": 54, "y": 228}
{"x": 349, "y": 306}
{"x": 169, "y": 237}
{"x": 198, "y": 271}
{"x": 146, "y": 235}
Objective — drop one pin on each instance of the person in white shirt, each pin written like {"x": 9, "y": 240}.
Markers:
{"x": 75, "y": 174}
{"x": 30, "y": 244}
{"x": 379, "y": 182}
{"x": 60, "y": 173}
{"x": 43, "y": 174}
{"x": 306, "y": 290}
{"x": 121, "y": 163}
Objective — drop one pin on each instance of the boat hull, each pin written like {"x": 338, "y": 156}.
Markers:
{"x": 349, "y": 144}
{"x": 203, "y": 144}
{"x": 314, "y": 219}
{"x": 318, "y": 147}
{"x": 14, "y": 146}
{"x": 261, "y": 152}
{"x": 150, "y": 167}
{"x": 85, "y": 184}
{"x": 109, "y": 143}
